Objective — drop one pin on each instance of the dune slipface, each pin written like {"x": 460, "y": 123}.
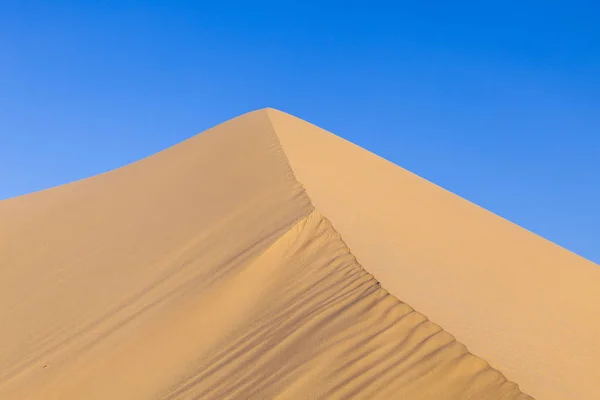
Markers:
{"x": 224, "y": 267}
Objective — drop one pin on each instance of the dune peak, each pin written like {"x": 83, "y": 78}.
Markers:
{"x": 268, "y": 258}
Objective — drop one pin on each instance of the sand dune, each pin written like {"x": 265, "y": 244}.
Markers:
{"x": 224, "y": 267}
{"x": 524, "y": 304}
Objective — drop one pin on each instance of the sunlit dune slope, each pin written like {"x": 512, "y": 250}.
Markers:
{"x": 529, "y": 307}
{"x": 205, "y": 272}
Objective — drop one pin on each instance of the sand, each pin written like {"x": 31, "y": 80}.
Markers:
{"x": 524, "y": 304}
{"x": 266, "y": 258}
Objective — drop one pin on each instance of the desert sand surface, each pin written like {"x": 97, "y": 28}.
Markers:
{"x": 524, "y": 304}
{"x": 267, "y": 258}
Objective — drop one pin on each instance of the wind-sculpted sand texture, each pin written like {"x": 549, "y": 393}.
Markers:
{"x": 204, "y": 272}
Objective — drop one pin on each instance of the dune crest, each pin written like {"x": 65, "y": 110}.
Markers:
{"x": 212, "y": 270}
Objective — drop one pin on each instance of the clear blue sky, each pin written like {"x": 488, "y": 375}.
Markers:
{"x": 498, "y": 102}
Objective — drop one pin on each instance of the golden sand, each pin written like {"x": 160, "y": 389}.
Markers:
{"x": 224, "y": 268}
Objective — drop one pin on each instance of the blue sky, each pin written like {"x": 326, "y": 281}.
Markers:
{"x": 498, "y": 102}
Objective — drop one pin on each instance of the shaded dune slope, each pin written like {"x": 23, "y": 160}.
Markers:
{"x": 205, "y": 272}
